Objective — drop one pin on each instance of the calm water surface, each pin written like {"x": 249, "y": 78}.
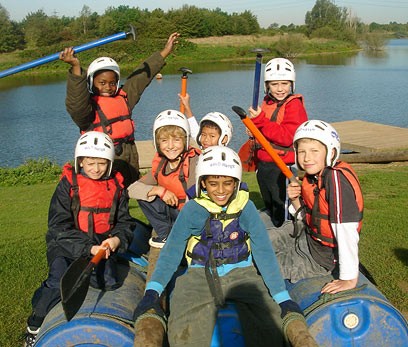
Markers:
{"x": 35, "y": 124}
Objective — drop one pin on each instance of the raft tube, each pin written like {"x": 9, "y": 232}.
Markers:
{"x": 360, "y": 317}
{"x": 104, "y": 319}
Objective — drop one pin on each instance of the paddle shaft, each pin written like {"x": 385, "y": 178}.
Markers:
{"x": 97, "y": 257}
{"x": 265, "y": 144}
{"x": 257, "y": 78}
{"x": 55, "y": 56}
{"x": 183, "y": 91}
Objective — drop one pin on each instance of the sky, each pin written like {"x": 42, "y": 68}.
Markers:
{"x": 282, "y": 12}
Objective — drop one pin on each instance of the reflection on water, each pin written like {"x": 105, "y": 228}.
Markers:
{"x": 361, "y": 85}
{"x": 330, "y": 59}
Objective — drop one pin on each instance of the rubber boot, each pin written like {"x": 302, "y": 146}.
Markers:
{"x": 297, "y": 332}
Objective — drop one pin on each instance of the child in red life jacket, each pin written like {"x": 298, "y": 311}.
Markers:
{"x": 88, "y": 212}
{"x": 279, "y": 116}
{"x": 330, "y": 203}
{"x": 222, "y": 236}
{"x": 96, "y": 101}
{"x": 214, "y": 129}
{"x": 161, "y": 193}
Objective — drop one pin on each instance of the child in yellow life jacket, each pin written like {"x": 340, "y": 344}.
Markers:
{"x": 279, "y": 116}
{"x": 329, "y": 206}
{"x": 222, "y": 236}
{"x": 88, "y": 212}
{"x": 161, "y": 193}
{"x": 96, "y": 101}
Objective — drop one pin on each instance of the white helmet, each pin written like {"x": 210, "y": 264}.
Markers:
{"x": 219, "y": 161}
{"x": 320, "y": 131}
{"x": 102, "y": 63}
{"x": 223, "y": 123}
{"x": 97, "y": 145}
{"x": 171, "y": 117}
{"x": 279, "y": 69}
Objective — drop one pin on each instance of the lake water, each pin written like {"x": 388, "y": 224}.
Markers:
{"x": 34, "y": 122}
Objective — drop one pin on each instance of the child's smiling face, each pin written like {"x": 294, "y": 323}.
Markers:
{"x": 219, "y": 188}
{"x": 311, "y": 155}
{"x": 171, "y": 146}
{"x": 94, "y": 168}
{"x": 279, "y": 89}
{"x": 209, "y": 136}
{"x": 105, "y": 83}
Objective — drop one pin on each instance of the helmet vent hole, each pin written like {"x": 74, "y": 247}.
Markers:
{"x": 223, "y": 156}
{"x": 95, "y": 141}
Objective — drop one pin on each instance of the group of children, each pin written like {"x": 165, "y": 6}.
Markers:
{"x": 197, "y": 204}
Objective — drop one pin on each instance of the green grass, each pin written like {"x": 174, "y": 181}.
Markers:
{"x": 23, "y": 216}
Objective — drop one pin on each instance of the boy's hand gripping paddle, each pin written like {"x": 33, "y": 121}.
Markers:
{"x": 75, "y": 283}
{"x": 264, "y": 143}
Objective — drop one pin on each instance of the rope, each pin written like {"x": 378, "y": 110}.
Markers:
{"x": 290, "y": 317}
{"x": 108, "y": 315}
{"x": 325, "y": 298}
{"x": 152, "y": 315}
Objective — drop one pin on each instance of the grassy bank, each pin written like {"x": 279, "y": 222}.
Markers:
{"x": 23, "y": 218}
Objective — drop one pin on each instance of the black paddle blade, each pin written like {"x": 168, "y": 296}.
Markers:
{"x": 239, "y": 111}
{"x": 74, "y": 286}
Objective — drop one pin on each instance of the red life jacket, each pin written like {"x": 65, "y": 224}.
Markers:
{"x": 317, "y": 207}
{"x": 94, "y": 202}
{"x": 275, "y": 112}
{"x": 113, "y": 117}
{"x": 175, "y": 181}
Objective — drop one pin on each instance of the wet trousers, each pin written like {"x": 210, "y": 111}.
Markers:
{"x": 193, "y": 312}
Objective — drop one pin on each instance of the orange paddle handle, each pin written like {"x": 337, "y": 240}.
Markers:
{"x": 98, "y": 257}
{"x": 183, "y": 91}
{"x": 268, "y": 147}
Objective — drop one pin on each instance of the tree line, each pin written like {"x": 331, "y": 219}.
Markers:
{"x": 39, "y": 30}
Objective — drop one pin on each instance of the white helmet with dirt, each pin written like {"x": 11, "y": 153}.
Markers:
{"x": 279, "y": 69}
{"x": 171, "y": 117}
{"x": 95, "y": 144}
{"x": 99, "y": 64}
{"x": 323, "y": 132}
{"x": 218, "y": 161}
{"x": 223, "y": 123}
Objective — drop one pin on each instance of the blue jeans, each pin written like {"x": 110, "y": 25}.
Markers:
{"x": 160, "y": 215}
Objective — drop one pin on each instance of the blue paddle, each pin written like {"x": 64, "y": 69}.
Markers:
{"x": 77, "y": 49}
{"x": 257, "y": 75}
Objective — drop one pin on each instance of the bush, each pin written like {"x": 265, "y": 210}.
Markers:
{"x": 290, "y": 46}
{"x": 375, "y": 41}
{"x": 31, "y": 172}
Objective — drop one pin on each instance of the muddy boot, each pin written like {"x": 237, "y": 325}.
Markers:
{"x": 149, "y": 330}
{"x": 297, "y": 332}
